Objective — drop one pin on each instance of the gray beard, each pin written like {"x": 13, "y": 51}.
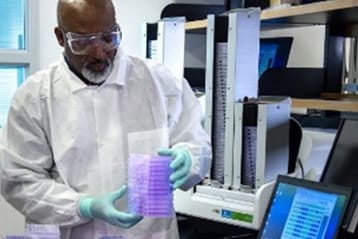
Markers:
{"x": 97, "y": 77}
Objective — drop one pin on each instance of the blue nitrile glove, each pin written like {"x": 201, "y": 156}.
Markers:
{"x": 102, "y": 207}
{"x": 180, "y": 165}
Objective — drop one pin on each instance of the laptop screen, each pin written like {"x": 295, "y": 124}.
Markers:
{"x": 274, "y": 52}
{"x": 304, "y": 209}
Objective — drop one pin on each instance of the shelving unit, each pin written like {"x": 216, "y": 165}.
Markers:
{"x": 337, "y": 12}
{"x": 342, "y": 18}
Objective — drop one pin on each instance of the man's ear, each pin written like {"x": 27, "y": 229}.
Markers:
{"x": 59, "y": 36}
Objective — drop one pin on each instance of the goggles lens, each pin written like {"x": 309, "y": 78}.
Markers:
{"x": 83, "y": 44}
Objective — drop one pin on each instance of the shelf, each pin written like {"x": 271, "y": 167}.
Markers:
{"x": 336, "y": 12}
{"x": 196, "y": 25}
{"x": 333, "y": 12}
{"x": 338, "y": 96}
{"x": 333, "y": 105}
{"x": 341, "y": 15}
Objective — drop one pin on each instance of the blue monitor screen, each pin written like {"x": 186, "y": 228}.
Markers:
{"x": 274, "y": 52}
{"x": 267, "y": 57}
{"x": 298, "y": 212}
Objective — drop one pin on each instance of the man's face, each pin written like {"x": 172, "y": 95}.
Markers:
{"x": 90, "y": 43}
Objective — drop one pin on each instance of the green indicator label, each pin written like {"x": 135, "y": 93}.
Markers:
{"x": 237, "y": 216}
{"x": 242, "y": 217}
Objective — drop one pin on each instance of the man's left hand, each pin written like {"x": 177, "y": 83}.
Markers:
{"x": 180, "y": 165}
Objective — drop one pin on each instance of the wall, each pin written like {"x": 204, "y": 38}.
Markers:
{"x": 307, "y": 47}
{"x": 131, "y": 15}
{"x": 11, "y": 221}
{"x": 49, "y": 50}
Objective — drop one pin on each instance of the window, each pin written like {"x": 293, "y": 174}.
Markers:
{"x": 13, "y": 32}
{"x": 11, "y": 77}
{"x": 18, "y": 37}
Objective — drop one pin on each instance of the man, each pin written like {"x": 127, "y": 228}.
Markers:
{"x": 72, "y": 126}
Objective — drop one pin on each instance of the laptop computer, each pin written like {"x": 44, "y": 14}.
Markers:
{"x": 274, "y": 52}
{"x": 300, "y": 209}
{"x": 341, "y": 168}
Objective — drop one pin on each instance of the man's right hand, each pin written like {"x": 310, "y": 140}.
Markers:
{"x": 102, "y": 207}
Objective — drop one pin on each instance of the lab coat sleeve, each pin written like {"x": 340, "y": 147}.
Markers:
{"x": 27, "y": 164}
{"x": 188, "y": 133}
{"x": 185, "y": 116}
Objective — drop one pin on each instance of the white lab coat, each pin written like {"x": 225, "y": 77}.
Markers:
{"x": 64, "y": 140}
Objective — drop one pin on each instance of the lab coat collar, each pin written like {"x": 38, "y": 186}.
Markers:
{"x": 118, "y": 74}
{"x": 116, "y": 77}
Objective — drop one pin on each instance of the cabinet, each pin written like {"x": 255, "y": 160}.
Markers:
{"x": 341, "y": 19}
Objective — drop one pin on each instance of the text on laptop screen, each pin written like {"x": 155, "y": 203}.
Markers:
{"x": 298, "y": 212}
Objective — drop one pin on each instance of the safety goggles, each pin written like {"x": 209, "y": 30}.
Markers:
{"x": 83, "y": 44}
